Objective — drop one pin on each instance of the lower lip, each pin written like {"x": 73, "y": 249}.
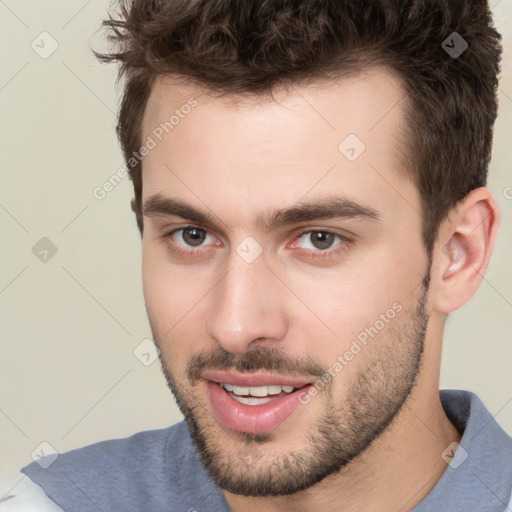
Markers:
{"x": 253, "y": 419}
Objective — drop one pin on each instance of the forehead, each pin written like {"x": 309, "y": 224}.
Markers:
{"x": 345, "y": 135}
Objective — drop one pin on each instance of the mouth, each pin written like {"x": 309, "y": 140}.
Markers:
{"x": 253, "y": 403}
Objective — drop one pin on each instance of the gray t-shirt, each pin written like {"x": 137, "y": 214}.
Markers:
{"x": 159, "y": 470}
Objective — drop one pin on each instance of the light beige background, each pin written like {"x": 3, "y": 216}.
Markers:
{"x": 69, "y": 326}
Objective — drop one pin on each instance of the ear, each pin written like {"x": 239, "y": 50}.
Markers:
{"x": 463, "y": 250}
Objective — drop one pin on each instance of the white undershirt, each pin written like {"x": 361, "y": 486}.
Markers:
{"x": 27, "y": 496}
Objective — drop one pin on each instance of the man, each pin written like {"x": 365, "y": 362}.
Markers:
{"x": 310, "y": 188}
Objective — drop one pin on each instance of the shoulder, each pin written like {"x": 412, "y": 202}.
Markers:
{"x": 151, "y": 444}
{"x": 140, "y": 472}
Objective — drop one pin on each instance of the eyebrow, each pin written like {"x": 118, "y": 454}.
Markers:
{"x": 330, "y": 207}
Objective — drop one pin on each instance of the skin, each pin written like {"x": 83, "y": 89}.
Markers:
{"x": 238, "y": 158}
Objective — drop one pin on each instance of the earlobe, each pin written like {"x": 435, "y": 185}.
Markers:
{"x": 466, "y": 243}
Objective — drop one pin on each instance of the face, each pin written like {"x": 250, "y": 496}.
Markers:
{"x": 284, "y": 273}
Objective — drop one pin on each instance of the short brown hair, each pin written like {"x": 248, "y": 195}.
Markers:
{"x": 250, "y": 46}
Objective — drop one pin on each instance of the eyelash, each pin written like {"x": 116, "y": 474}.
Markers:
{"x": 310, "y": 253}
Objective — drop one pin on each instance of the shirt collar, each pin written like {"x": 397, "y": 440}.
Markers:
{"x": 479, "y": 471}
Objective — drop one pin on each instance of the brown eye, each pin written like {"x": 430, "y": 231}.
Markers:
{"x": 321, "y": 239}
{"x": 193, "y": 236}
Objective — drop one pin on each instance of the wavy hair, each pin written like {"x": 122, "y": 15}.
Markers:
{"x": 247, "y": 47}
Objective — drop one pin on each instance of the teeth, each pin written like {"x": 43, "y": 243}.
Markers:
{"x": 257, "y": 391}
{"x": 272, "y": 390}
{"x": 240, "y": 391}
{"x": 252, "y": 401}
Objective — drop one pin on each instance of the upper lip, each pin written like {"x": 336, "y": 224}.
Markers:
{"x": 253, "y": 379}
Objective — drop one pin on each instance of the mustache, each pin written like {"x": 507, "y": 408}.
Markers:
{"x": 262, "y": 358}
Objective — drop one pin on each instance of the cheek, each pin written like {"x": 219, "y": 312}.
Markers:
{"x": 170, "y": 290}
{"x": 176, "y": 298}
{"x": 359, "y": 303}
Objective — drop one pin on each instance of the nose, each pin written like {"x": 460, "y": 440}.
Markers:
{"x": 248, "y": 309}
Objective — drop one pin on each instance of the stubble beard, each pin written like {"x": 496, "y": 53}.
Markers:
{"x": 344, "y": 431}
